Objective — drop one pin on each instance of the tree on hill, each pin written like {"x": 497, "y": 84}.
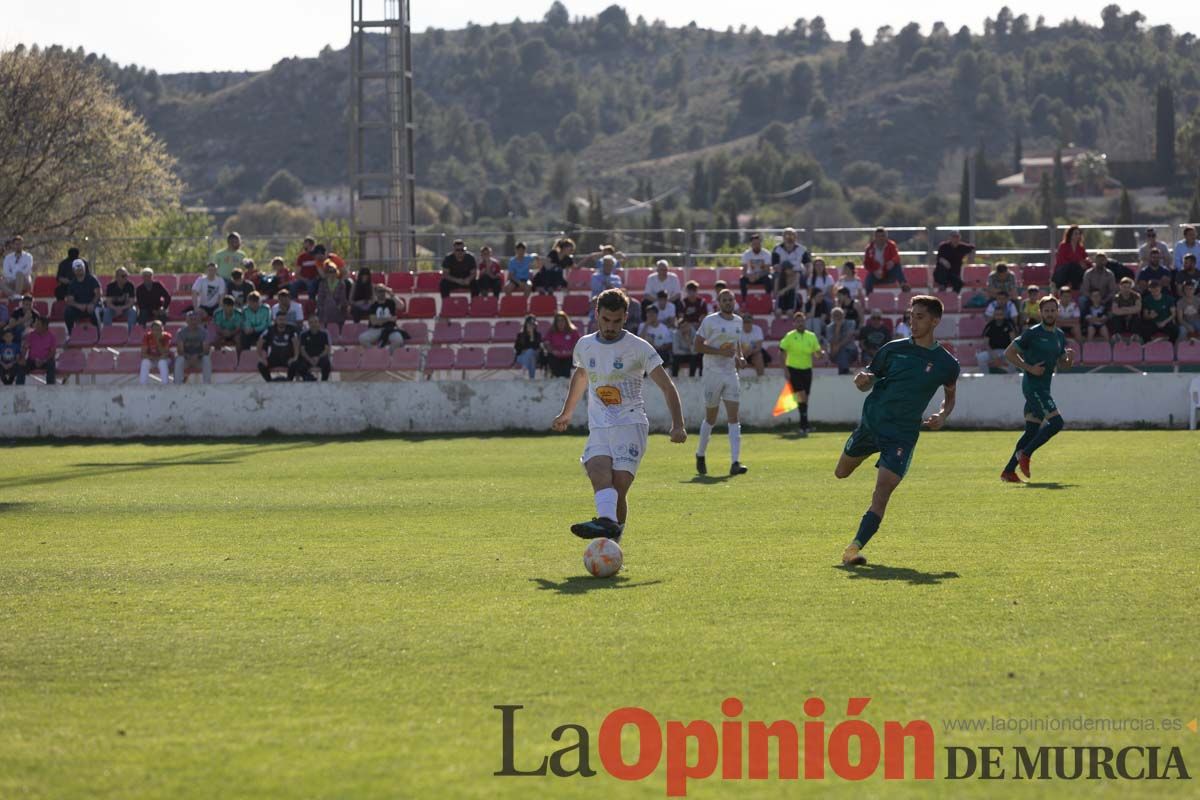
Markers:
{"x": 284, "y": 187}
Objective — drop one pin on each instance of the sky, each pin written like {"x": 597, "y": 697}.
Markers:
{"x": 217, "y": 35}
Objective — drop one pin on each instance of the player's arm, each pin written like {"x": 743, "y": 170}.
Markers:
{"x": 865, "y": 379}
{"x": 1014, "y": 356}
{"x": 1067, "y": 359}
{"x": 674, "y": 405}
{"x": 702, "y": 347}
{"x": 936, "y": 421}
{"x": 575, "y": 392}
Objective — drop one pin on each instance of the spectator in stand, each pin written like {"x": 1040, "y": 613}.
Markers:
{"x": 192, "y": 350}
{"x": 458, "y": 269}
{"x": 156, "y": 352}
{"x": 1187, "y": 313}
{"x": 1096, "y": 321}
{"x": 560, "y": 345}
{"x": 820, "y": 280}
{"x": 256, "y": 318}
{"x": 10, "y": 355}
{"x": 873, "y": 335}
{"x": 1031, "y": 310}
{"x": 308, "y": 269}
{"x": 333, "y": 298}
{"x": 1071, "y": 259}
{"x": 846, "y": 303}
{"x": 1124, "y": 319}
{"x": 790, "y": 251}
{"x": 489, "y": 275}
{"x": 1188, "y": 245}
{"x": 208, "y": 290}
{"x": 362, "y": 294}
{"x": 280, "y": 278}
{"x": 227, "y": 325}
{"x": 238, "y": 287}
{"x": 24, "y": 318}
{"x": 520, "y": 268}
{"x": 286, "y": 308}
{"x": 999, "y": 332}
{"x": 655, "y": 331}
{"x": 1189, "y": 274}
{"x": 552, "y": 276}
{"x": 120, "y": 300}
{"x": 250, "y": 274}
{"x": 1155, "y": 271}
{"x": 947, "y": 275}
{"x": 528, "y": 346}
{"x": 633, "y": 319}
{"x": 1098, "y": 278}
{"x": 83, "y": 298}
{"x": 231, "y": 257}
{"x": 840, "y": 338}
{"x": 667, "y": 311}
{"x": 17, "y": 275}
{"x": 606, "y": 277}
{"x": 881, "y": 259}
{"x": 789, "y": 295}
{"x": 756, "y": 267}
{"x": 1000, "y": 280}
{"x": 1152, "y": 243}
{"x": 904, "y": 326}
{"x": 598, "y": 256}
{"x": 662, "y": 280}
{"x": 848, "y": 280}
{"x": 278, "y": 348}
{"x": 1158, "y": 314}
{"x": 816, "y": 313}
{"x": 799, "y": 345}
{"x": 66, "y": 273}
{"x": 692, "y": 307}
{"x": 321, "y": 257}
{"x": 1004, "y": 304}
{"x": 752, "y": 338}
{"x": 683, "y": 349}
{"x": 315, "y": 350}
{"x": 1068, "y": 313}
{"x": 382, "y": 321}
{"x": 39, "y": 347}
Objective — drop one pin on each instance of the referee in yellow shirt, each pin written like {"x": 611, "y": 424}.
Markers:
{"x": 799, "y": 346}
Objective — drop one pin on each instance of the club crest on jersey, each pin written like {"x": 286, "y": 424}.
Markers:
{"x": 592, "y": 363}
{"x": 929, "y": 367}
{"x": 899, "y": 452}
{"x": 618, "y": 363}
{"x": 633, "y": 451}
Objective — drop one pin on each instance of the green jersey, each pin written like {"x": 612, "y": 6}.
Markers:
{"x": 906, "y": 377}
{"x": 1041, "y": 345}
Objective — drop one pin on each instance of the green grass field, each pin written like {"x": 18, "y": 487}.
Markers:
{"x": 337, "y": 618}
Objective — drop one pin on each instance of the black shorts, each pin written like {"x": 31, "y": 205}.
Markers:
{"x": 800, "y": 379}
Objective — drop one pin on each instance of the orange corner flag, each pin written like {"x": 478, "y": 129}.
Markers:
{"x": 786, "y": 401}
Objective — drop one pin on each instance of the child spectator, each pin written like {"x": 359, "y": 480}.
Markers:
{"x": 1188, "y": 311}
{"x": 488, "y": 274}
{"x": 156, "y": 351}
{"x": 999, "y": 332}
{"x": 192, "y": 350}
{"x": 820, "y": 280}
{"x": 1126, "y": 311}
{"x": 10, "y": 356}
{"x": 654, "y": 331}
{"x": 1003, "y": 303}
{"x": 207, "y": 291}
{"x": 1068, "y": 313}
{"x": 1096, "y": 323}
{"x": 665, "y": 308}
{"x": 692, "y": 306}
{"x": 1031, "y": 310}
{"x": 683, "y": 349}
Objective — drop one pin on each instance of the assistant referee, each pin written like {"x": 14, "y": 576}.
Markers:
{"x": 799, "y": 346}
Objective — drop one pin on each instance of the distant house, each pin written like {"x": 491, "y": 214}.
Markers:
{"x": 1034, "y": 167}
{"x": 332, "y": 201}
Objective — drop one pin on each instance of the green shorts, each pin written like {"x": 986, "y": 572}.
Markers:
{"x": 894, "y": 453}
{"x": 1038, "y": 402}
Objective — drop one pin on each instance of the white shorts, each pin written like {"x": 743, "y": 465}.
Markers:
{"x": 624, "y": 444}
{"x": 720, "y": 386}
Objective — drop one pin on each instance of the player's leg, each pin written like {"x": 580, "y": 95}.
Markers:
{"x": 736, "y": 467}
{"x": 860, "y": 445}
{"x": 1041, "y": 404}
{"x": 802, "y": 384}
{"x": 622, "y": 480}
{"x": 628, "y": 447}
{"x": 599, "y": 470}
{"x": 1054, "y": 424}
{"x": 713, "y": 388}
{"x": 846, "y": 465}
{"x": 1032, "y": 423}
{"x": 886, "y": 482}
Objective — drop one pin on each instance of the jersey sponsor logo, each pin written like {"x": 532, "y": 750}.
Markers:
{"x": 609, "y": 395}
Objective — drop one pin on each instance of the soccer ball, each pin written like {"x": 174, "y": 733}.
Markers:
{"x": 603, "y": 557}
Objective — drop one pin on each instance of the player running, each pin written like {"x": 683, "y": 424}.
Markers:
{"x": 611, "y": 363}
{"x": 1037, "y": 352}
{"x": 719, "y": 340}
{"x": 902, "y": 377}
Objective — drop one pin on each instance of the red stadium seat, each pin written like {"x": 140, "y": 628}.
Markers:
{"x": 577, "y": 305}
{"x": 1036, "y": 274}
{"x": 422, "y": 308}
{"x": 454, "y": 307}
{"x": 418, "y": 332}
{"x": 757, "y": 304}
{"x": 976, "y": 274}
{"x": 483, "y": 307}
{"x": 399, "y": 282}
{"x": 1096, "y": 353}
{"x": 43, "y": 285}
{"x": 951, "y": 302}
{"x": 169, "y": 282}
{"x": 499, "y": 357}
{"x": 72, "y": 362}
{"x": 635, "y": 278}
{"x": 918, "y": 277}
{"x": 780, "y": 328}
{"x": 1189, "y": 352}
{"x": 1127, "y": 353}
{"x": 178, "y": 308}
{"x": 731, "y": 276}
{"x": 950, "y": 326}
{"x": 379, "y": 278}
{"x": 375, "y": 359}
{"x": 469, "y": 358}
{"x": 543, "y": 305}
{"x": 447, "y": 333}
{"x": 579, "y": 278}
{"x": 506, "y": 331}
{"x": 57, "y": 309}
{"x": 705, "y": 277}
{"x": 477, "y": 333}
{"x": 439, "y": 358}
{"x": 248, "y": 361}
{"x": 114, "y": 336}
{"x": 970, "y": 326}
{"x": 405, "y": 359}
{"x": 101, "y": 362}
{"x": 349, "y": 333}
{"x": 1159, "y": 351}
{"x": 184, "y": 286}
{"x": 428, "y": 282}
{"x": 128, "y": 362}
{"x": 84, "y": 335}
{"x": 884, "y": 301}
{"x": 347, "y": 359}
{"x": 224, "y": 361}
{"x": 514, "y": 305}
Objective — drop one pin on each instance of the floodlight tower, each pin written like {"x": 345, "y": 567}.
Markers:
{"x": 382, "y": 175}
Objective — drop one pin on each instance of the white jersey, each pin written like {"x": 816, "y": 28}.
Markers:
{"x": 616, "y": 371}
{"x": 718, "y": 331}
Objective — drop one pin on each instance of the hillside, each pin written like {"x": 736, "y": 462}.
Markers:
{"x": 510, "y": 115}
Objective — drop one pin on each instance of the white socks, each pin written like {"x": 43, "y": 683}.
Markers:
{"x": 606, "y": 504}
{"x": 705, "y": 435}
{"x": 735, "y": 440}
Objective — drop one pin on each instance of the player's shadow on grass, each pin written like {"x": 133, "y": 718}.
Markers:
{"x": 580, "y": 584}
{"x": 882, "y": 572}
{"x": 1049, "y": 485}
{"x": 706, "y": 479}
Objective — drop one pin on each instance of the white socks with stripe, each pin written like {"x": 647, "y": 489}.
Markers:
{"x": 735, "y": 440}
{"x": 705, "y": 435}
{"x": 606, "y": 504}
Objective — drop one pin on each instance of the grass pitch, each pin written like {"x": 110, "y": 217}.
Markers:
{"x": 337, "y": 618}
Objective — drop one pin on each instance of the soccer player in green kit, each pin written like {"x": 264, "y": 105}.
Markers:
{"x": 902, "y": 378}
{"x": 1037, "y": 352}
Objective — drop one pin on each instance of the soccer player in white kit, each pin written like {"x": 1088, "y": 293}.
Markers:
{"x": 610, "y": 366}
{"x": 719, "y": 339}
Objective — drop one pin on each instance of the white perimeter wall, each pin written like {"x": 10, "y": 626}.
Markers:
{"x": 992, "y": 401}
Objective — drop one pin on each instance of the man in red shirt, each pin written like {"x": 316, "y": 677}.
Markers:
{"x": 882, "y": 262}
